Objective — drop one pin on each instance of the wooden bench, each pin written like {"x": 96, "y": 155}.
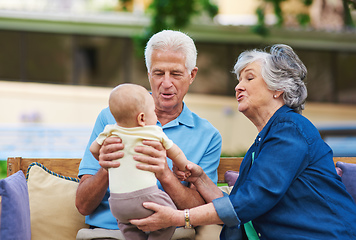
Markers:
{"x": 64, "y": 166}
{"x": 69, "y": 166}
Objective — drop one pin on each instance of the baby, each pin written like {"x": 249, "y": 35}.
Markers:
{"x": 134, "y": 111}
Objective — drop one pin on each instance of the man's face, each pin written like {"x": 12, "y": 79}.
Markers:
{"x": 169, "y": 79}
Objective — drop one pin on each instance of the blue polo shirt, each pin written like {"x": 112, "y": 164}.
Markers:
{"x": 291, "y": 189}
{"x": 198, "y": 139}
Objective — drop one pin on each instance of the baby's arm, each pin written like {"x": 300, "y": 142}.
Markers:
{"x": 94, "y": 149}
{"x": 178, "y": 157}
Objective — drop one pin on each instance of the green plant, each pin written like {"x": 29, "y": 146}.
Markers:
{"x": 348, "y": 5}
{"x": 237, "y": 154}
{"x": 260, "y": 28}
{"x": 3, "y": 169}
{"x": 303, "y": 18}
{"x": 171, "y": 14}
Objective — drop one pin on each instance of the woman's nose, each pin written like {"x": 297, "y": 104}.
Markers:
{"x": 238, "y": 86}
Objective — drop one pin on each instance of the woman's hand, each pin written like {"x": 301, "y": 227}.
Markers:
{"x": 181, "y": 175}
{"x": 154, "y": 155}
{"x": 111, "y": 150}
{"x": 162, "y": 218}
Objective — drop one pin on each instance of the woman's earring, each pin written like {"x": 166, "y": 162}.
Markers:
{"x": 274, "y": 96}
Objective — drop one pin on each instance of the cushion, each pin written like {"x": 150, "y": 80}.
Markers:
{"x": 99, "y": 233}
{"x": 52, "y": 204}
{"x": 15, "y": 214}
{"x": 208, "y": 232}
{"x": 348, "y": 177}
{"x": 226, "y": 189}
{"x": 231, "y": 177}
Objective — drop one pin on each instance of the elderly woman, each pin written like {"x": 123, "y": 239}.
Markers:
{"x": 288, "y": 187}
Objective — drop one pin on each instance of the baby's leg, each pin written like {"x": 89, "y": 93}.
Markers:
{"x": 129, "y": 206}
{"x": 161, "y": 198}
{"x": 124, "y": 209}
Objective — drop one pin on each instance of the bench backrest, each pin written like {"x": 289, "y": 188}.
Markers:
{"x": 64, "y": 166}
{"x": 69, "y": 166}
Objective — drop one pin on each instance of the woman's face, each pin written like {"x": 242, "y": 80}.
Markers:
{"x": 252, "y": 93}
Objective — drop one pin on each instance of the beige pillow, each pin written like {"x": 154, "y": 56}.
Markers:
{"x": 52, "y": 205}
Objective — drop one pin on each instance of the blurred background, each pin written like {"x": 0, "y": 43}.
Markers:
{"x": 59, "y": 60}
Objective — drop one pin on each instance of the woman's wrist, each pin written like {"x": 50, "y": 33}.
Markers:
{"x": 179, "y": 218}
{"x": 202, "y": 180}
{"x": 187, "y": 223}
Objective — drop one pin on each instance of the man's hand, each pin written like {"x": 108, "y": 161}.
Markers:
{"x": 111, "y": 150}
{"x": 154, "y": 155}
{"x": 154, "y": 160}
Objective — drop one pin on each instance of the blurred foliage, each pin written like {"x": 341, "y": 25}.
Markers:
{"x": 302, "y": 18}
{"x": 237, "y": 154}
{"x": 277, "y": 11}
{"x": 260, "y": 28}
{"x": 307, "y": 2}
{"x": 125, "y": 4}
{"x": 175, "y": 15}
{"x": 3, "y": 169}
{"x": 348, "y": 6}
{"x": 171, "y": 14}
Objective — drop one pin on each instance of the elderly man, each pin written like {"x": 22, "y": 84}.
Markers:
{"x": 171, "y": 63}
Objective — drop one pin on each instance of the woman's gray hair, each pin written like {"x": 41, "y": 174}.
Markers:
{"x": 172, "y": 40}
{"x": 282, "y": 70}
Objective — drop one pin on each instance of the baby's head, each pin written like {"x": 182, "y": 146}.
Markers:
{"x": 132, "y": 106}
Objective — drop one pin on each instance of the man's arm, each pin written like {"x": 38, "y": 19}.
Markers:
{"x": 155, "y": 157}
{"x": 91, "y": 191}
{"x": 92, "y": 188}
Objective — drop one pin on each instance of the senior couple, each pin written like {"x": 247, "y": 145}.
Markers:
{"x": 288, "y": 187}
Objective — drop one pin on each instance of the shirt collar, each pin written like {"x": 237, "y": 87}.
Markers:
{"x": 281, "y": 110}
{"x": 184, "y": 118}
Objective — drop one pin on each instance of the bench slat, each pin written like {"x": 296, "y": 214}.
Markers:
{"x": 69, "y": 166}
{"x": 63, "y": 166}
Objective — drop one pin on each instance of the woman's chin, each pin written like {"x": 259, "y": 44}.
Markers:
{"x": 241, "y": 108}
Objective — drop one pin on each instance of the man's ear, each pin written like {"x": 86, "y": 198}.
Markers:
{"x": 141, "y": 118}
{"x": 193, "y": 73}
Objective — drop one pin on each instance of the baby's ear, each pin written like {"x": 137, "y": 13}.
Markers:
{"x": 141, "y": 118}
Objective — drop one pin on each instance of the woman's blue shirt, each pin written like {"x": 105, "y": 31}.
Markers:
{"x": 291, "y": 191}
